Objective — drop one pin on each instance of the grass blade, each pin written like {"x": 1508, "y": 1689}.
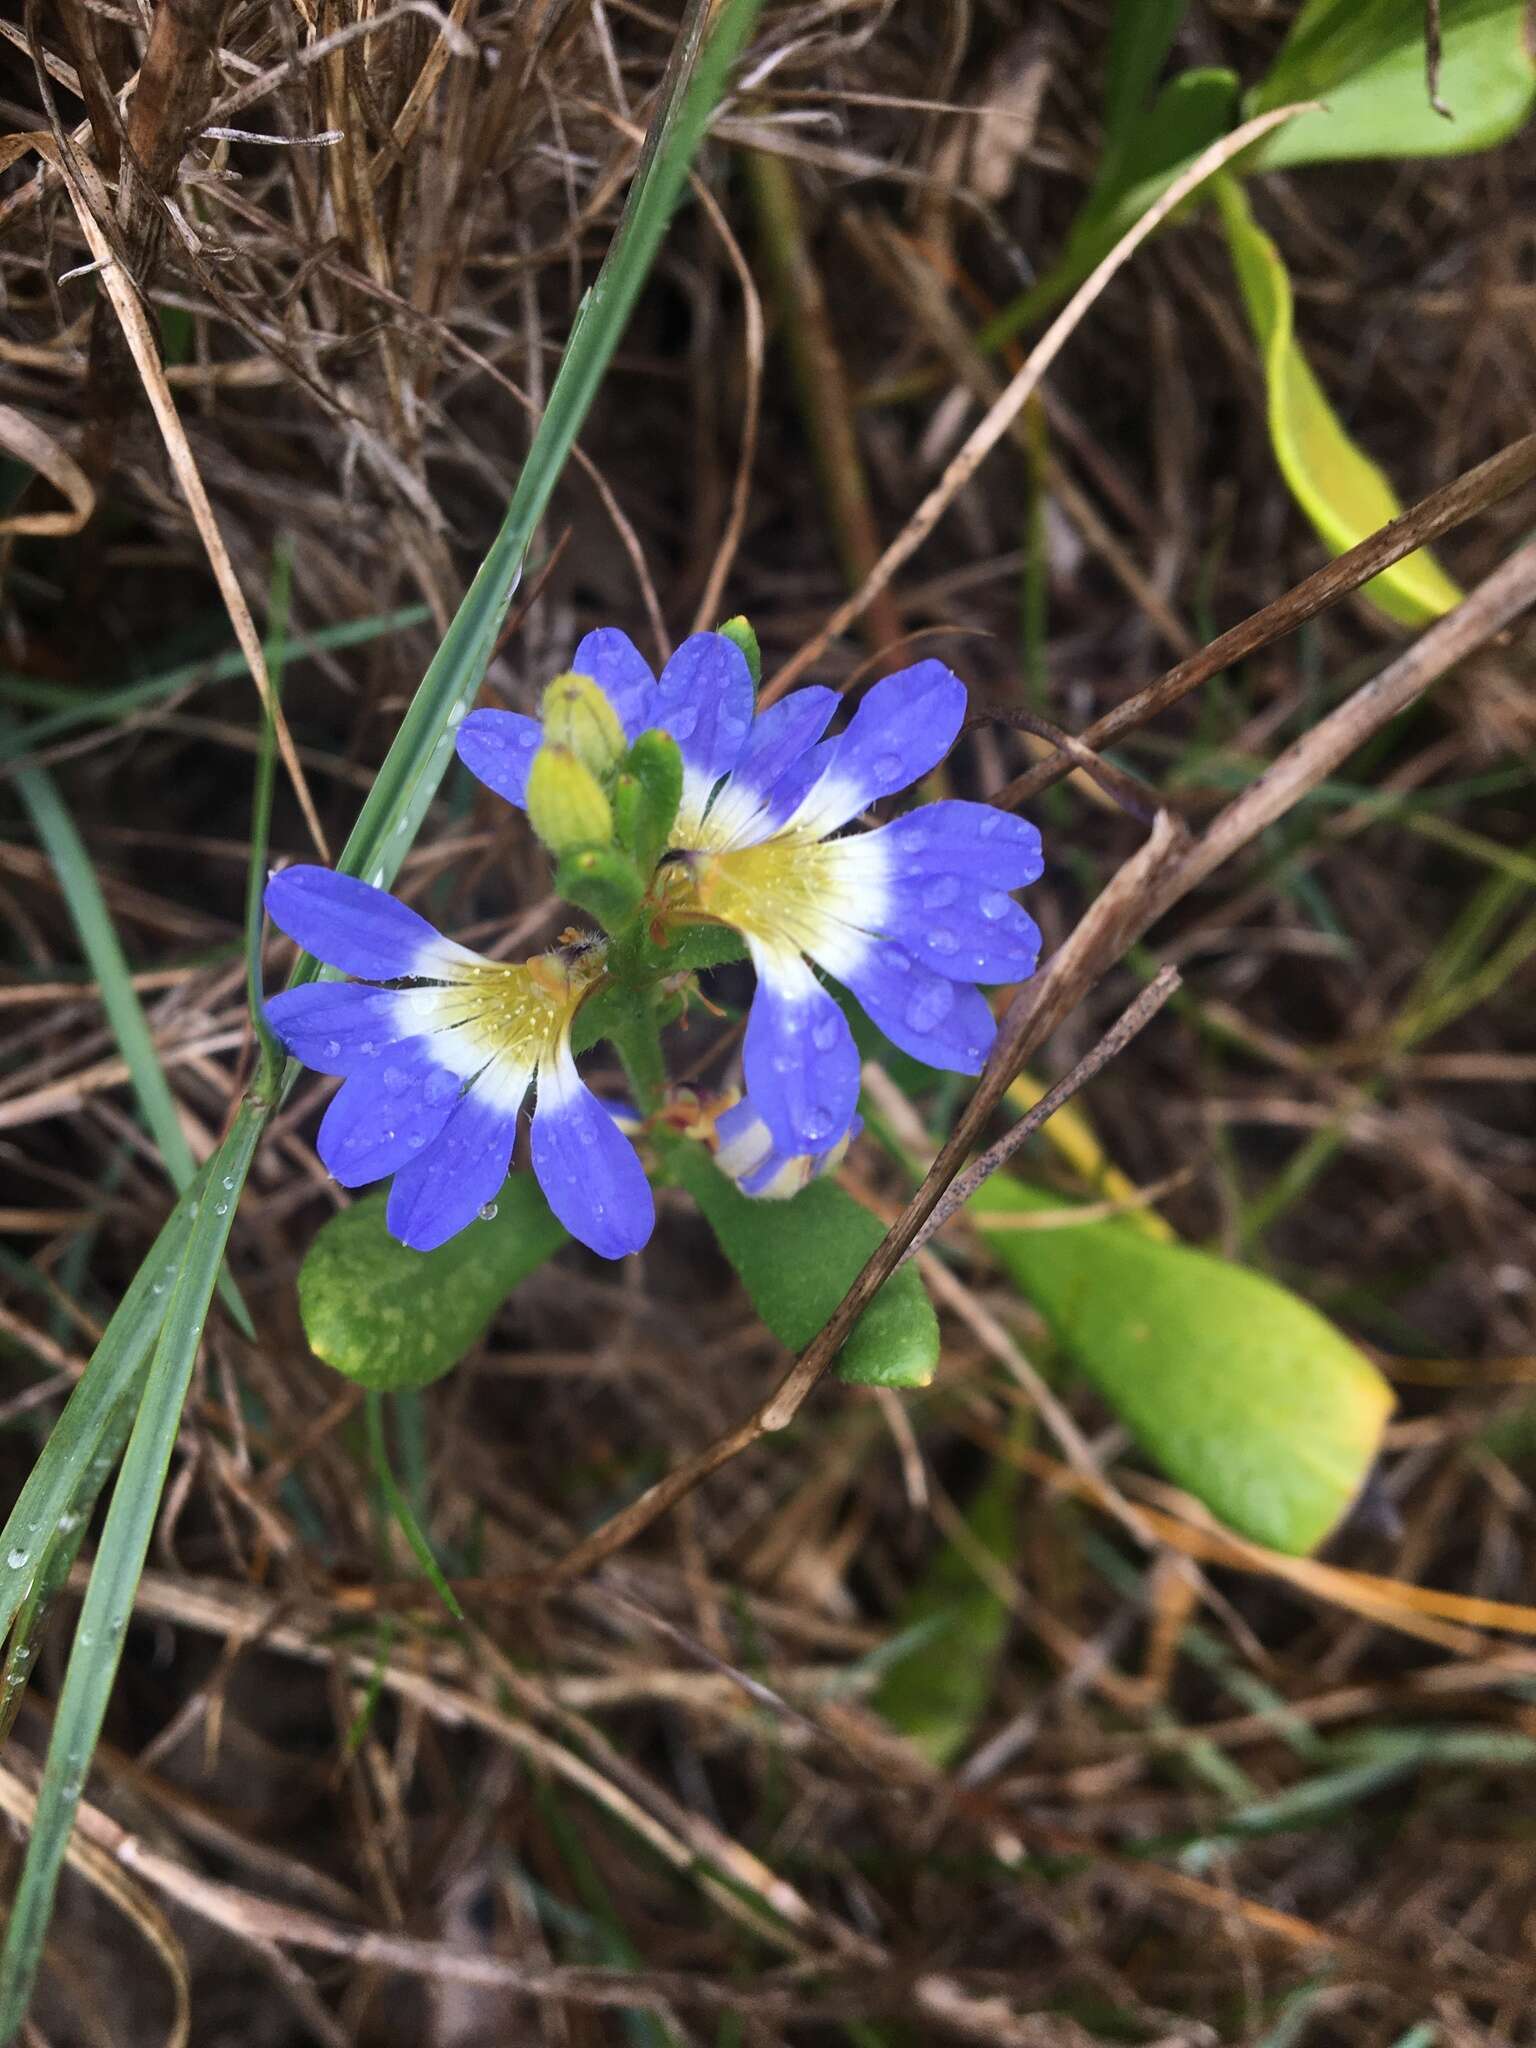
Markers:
{"x": 103, "y": 949}
{"x": 120, "y": 1558}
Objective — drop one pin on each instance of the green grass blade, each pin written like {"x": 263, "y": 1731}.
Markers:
{"x": 401, "y": 1509}
{"x": 101, "y": 706}
{"x": 120, "y": 1558}
{"x": 272, "y": 1056}
{"x": 416, "y": 762}
{"x": 125, "y": 1013}
{"x": 79, "y": 1435}
{"x": 103, "y": 949}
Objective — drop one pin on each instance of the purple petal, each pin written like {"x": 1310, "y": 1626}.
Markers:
{"x": 965, "y": 839}
{"x": 960, "y": 931}
{"x": 705, "y": 697}
{"x": 353, "y": 926}
{"x": 801, "y": 1064}
{"x": 336, "y": 1026}
{"x": 590, "y": 1173}
{"x": 386, "y": 1113}
{"x": 759, "y": 793}
{"x": 904, "y": 725}
{"x": 944, "y": 1023}
{"x": 622, "y": 673}
{"x": 447, "y": 1185}
{"x": 498, "y": 747}
{"x": 747, "y": 1154}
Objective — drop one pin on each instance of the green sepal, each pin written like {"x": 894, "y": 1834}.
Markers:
{"x": 390, "y": 1318}
{"x": 603, "y": 882}
{"x": 741, "y": 635}
{"x": 646, "y": 796}
{"x": 690, "y": 948}
{"x": 797, "y": 1259}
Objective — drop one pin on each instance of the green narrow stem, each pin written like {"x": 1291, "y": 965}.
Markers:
{"x": 636, "y": 1037}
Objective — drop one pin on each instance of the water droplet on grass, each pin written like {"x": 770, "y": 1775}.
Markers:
{"x": 488, "y": 1212}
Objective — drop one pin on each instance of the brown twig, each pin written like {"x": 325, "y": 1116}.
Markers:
{"x": 1132, "y": 1021}
{"x": 1474, "y": 491}
{"x": 999, "y": 416}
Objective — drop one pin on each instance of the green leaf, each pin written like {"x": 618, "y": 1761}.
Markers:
{"x": 1188, "y": 115}
{"x": 1366, "y": 60}
{"x": 1244, "y": 1394}
{"x": 1339, "y": 488}
{"x": 390, "y": 1318}
{"x": 1140, "y": 37}
{"x": 934, "y": 1691}
{"x": 797, "y": 1260}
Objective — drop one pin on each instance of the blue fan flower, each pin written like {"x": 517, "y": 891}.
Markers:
{"x": 909, "y": 917}
{"x": 745, "y": 1151}
{"x": 439, "y": 1048}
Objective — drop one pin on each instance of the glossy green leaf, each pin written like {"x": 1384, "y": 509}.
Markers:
{"x": 936, "y": 1687}
{"x": 1188, "y": 115}
{"x": 1337, "y": 485}
{"x": 1242, "y": 1392}
{"x": 1365, "y": 59}
{"x": 797, "y": 1260}
{"x": 390, "y": 1318}
{"x": 1140, "y": 36}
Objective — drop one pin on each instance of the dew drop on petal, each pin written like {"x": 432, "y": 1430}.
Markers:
{"x": 888, "y": 767}
{"x": 439, "y": 1085}
{"x": 942, "y": 890}
{"x": 488, "y": 1212}
{"x": 897, "y": 959}
{"x": 332, "y": 1048}
{"x": 989, "y": 824}
{"x": 416, "y": 1140}
{"x": 784, "y": 1063}
{"x": 995, "y": 904}
{"x": 914, "y": 839}
{"x": 929, "y": 1006}
{"x": 367, "y": 1048}
{"x": 396, "y": 1078}
{"x": 942, "y": 940}
{"x": 682, "y": 722}
{"x": 818, "y": 1125}
{"x": 824, "y": 1034}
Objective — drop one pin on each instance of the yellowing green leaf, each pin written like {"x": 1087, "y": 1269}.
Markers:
{"x": 1336, "y": 484}
{"x": 797, "y": 1259}
{"x": 1365, "y": 60}
{"x": 391, "y": 1318}
{"x": 1243, "y": 1393}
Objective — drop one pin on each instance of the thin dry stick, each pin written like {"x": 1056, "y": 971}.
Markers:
{"x": 996, "y": 421}
{"x": 1473, "y": 491}
{"x": 1110, "y": 1046}
{"x": 752, "y": 351}
{"x": 89, "y": 199}
{"x": 1166, "y": 868}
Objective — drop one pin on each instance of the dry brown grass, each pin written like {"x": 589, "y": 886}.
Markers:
{"x": 665, "y": 1790}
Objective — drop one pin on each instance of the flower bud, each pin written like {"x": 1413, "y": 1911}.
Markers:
{"x": 565, "y": 801}
{"x": 579, "y": 718}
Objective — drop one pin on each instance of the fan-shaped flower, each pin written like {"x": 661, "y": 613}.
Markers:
{"x": 438, "y": 1048}
{"x": 745, "y": 1151}
{"x": 909, "y": 917}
